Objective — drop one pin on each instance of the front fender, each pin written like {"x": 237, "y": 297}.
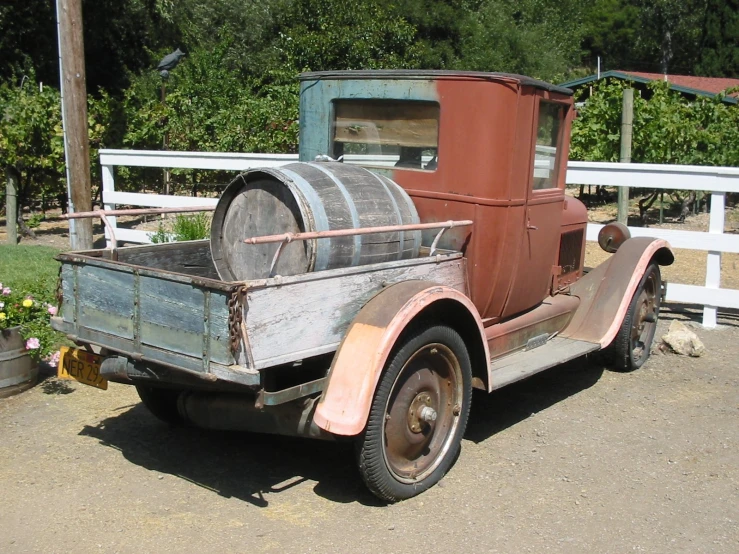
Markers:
{"x": 362, "y": 355}
{"x": 606, "y": 292}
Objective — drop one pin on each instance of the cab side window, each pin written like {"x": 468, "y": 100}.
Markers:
{"x": 548, "y": 138}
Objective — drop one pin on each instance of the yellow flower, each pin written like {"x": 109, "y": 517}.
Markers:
{"x": 27, "y": 303}
{"x": 3, "y": 317}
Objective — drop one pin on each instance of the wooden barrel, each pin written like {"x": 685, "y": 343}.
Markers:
{"x": 302, "y": 197}
{"x": 18, "y": 371}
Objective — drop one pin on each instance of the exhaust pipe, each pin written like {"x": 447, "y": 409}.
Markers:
{"x": 237, "y": 412}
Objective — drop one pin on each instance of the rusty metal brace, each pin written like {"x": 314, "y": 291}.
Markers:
{"x": 289, "y": 237}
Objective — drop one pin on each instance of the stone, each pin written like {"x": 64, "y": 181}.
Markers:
{"x": 683, "y": 341}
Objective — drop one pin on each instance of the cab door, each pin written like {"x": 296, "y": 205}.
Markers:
{"x": 544, "y": 205}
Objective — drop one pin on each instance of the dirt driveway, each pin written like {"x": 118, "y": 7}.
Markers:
{"x": 577, "y": 459}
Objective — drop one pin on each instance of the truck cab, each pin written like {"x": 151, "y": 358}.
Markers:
{"x": 489, "y": 147}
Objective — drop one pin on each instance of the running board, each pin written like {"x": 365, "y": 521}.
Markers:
{"x": 522, "y": 364}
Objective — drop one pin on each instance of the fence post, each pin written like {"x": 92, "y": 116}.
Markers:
{"x": 713, "y": 262}
{"x": 627, "y": 120}
{"x": 11, "y": 206}
{"x": 109, "y": 185}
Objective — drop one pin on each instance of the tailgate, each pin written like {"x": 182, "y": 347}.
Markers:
{"x": 151, "y": 315}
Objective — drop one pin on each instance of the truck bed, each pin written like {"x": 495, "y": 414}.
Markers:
{"x": 163, "y": 306}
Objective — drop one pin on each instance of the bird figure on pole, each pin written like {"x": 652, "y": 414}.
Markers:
{"x": 169, "y": 62}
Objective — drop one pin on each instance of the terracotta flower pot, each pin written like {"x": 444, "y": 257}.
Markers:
{"x": 18, "y": 371}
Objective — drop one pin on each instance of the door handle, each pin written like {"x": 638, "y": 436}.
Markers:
{"x": 531, "y": 227}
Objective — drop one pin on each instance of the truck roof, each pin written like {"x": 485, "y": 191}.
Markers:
{"x": 433, "y": 74}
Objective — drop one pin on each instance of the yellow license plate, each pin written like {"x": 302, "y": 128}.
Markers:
{"x": 82, "y": 366}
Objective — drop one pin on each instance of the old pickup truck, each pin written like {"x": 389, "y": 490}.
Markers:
{"x": 422, "y": 247}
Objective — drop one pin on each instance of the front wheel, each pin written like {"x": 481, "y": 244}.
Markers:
{"x": 633, "y": 343}
{"x": 418, "y": 415}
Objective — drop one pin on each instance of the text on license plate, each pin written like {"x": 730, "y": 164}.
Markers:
{"x": 82, "y": 366}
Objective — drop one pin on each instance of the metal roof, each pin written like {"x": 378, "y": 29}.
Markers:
{"x": 433, "y": 74}
{"x": 673, "y": 80}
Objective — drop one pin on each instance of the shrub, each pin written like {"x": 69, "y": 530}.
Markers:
{"x": 184, "y": 227}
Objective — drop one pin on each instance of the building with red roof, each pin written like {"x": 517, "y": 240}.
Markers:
{"x": 688, "y": 85}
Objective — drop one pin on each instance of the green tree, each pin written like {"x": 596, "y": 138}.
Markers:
{"x": 669, "y": 33}
{"x": 247, "y": 27}
{"x": 440, "y": 29}
{"x": 658, "y": 36}
{"x": 719, "y": 44}
{"x": 31, "y": 144}
{"x": 333, "y": 34}
{"x": 533, "y": 37}
{"x": 119, "y": 38}
{"x": 611, "y": 28}
{"x": 28, "y": 40}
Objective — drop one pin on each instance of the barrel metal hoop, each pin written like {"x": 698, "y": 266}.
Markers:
{"x": 398, "y": 216}
{"x": 417, "y": 237}
{"x": 320, "y": 219}
{"x": 356, "y": 223}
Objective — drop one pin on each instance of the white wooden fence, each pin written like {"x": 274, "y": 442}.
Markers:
{"x": 715, "y": 180}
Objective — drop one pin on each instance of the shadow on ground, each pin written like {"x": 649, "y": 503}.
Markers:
{"x": 247, "y": 466}
{"x": 504, "y": 408}
{"x": 681, "y": 312}
{"x": 251, "y": 466}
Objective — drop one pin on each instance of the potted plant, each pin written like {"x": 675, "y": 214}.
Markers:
{"x": 25, "y": 338}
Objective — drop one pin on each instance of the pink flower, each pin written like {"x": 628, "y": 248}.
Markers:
{"x": 53, "y": 360}
{"x": 32, "y": 343}
{"x": 6, "y": 291}
{"x": 52, "y": 310}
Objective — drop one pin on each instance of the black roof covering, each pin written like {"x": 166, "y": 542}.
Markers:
{"x": 433, "y": 74}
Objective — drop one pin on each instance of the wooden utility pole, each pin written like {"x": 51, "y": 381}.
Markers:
{"x": 627, "y": 121}
{"x": 74, "y": 116}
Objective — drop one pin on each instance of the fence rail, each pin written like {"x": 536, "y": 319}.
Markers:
{"x": 715, "y": 180}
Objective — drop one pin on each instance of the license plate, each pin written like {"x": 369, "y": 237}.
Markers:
{"x": 82, "y": 366}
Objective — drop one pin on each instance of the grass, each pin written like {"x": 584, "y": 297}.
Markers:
{"x": 23, "y": 264}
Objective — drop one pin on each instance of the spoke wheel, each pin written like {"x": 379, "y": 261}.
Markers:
{"x": 418, "y": 415}
{"x": 634, "y": 340}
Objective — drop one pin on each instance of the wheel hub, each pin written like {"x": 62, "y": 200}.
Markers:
{"x": 420, "y": 413}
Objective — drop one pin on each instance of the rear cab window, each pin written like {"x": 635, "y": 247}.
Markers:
{"x": 548, "y": 141}
{"x": 386, "y": 133}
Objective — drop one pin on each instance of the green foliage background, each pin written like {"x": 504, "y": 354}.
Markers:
{"x": 237, "y": 89}
{"x": 667, "y": 129}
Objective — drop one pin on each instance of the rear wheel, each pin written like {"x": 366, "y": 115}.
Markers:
{"x": 634, "y": 340}
{"x": 162, "y": 403}
{"x": 418, "y": 415}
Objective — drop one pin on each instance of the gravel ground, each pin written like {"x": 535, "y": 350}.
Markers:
{"x": 577, "y": 459}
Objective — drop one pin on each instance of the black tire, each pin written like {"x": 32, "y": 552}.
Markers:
{"x": 418, "y": 414}
{"x": 633, "y": 343}
{"x": 162, "y": 403}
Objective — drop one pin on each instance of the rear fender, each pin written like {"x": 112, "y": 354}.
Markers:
{"x": 606, "y": 292}
{"x": 369, "y": 341}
